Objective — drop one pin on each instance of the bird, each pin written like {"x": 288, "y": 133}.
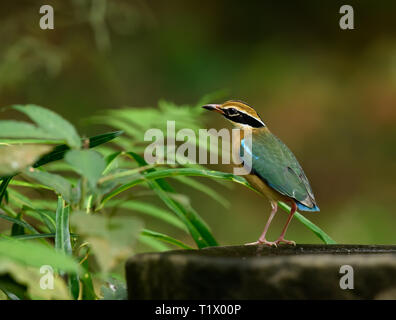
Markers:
{"x": 274, "y": 172}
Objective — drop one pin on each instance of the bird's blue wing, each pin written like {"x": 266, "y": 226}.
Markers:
{"x": 274, "y": 163}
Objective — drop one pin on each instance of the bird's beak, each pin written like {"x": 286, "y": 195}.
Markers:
{"x": 214, "y": 107}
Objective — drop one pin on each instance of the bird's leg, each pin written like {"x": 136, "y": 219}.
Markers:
{"x": 282, "y": 236}
{"x": 262, "y": 239}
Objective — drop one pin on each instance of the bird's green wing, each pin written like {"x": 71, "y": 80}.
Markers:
{"x": 273, "y": 162}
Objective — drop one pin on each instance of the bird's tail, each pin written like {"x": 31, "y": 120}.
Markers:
{"x": 303, "y": 207}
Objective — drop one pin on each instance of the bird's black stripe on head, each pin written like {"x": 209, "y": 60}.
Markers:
{"x": 244, "y": 118}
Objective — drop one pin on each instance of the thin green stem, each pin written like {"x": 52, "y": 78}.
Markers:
{"x": 83, "y": 192}
{"x": 9, "y": 211}
{"x": 126, "y": 173}
{"x": 20, "y": 183}
{"x": 89, "y": 203}
{"x": 30, "y": 141}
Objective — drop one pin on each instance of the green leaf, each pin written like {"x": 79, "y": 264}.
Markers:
{"x": 19, "y": 222}
{"x": 74, "y": 285}
{"x": 52, "y": 123}
{"x": 38, "y": 236}
{"x": 153, "y": 243}
{"x": 135, "y": 121}
{"x": 36, "y": 255}
{"x": 45, "y": 204}
{"x": 27, "y": 141}
{"x": 111, "y": 239}
{"x": 205, "y": 189}
{"x": 111, "y": 161}
{"x": 34, "y": 236}
{"x": 88, "y": 163}
{"x": 168, "y": 173}
{"x": 45, "y": 215}
{"x": 213, "y": 96}
{"x": 17, "y": 229}
{"x": 197, "y": 228}
{"x": 164, "y": 238}
{"x": 26, "y": 184}
{"x": 9, "y": 286}
{"x": 19, "y": 199}
{"x": 19, "y": 129}
{"x": 59, "y": 152}
{"x": 63, "y": 242}
{"x": 56, "y": 182}
{"x": 149, "y": 209}
{"x": 115, "y": 123}
{"x": 3, "y": 188}
{"x": 87, "y": 287}
{"x": 23, "y": 282}
{"x": 62, "y": 233}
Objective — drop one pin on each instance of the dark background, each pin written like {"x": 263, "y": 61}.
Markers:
{"x": 328, "y": 94}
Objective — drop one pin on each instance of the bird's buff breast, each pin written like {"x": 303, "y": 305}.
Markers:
{"x": 266, "y": 190}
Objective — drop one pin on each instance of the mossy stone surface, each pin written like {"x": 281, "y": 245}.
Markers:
{"x": 260, "y": 272}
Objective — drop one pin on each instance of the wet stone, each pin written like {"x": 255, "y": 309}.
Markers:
{"x": 260, "y": 272}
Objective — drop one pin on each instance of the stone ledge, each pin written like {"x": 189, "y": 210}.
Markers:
{"x": 260, "y": 272}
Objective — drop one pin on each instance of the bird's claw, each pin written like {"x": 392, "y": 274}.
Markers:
{"x": 268, "y": 243}
{"x": 282, "y": 240}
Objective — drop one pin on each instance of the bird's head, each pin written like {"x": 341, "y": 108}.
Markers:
{"x": 239, "y": 113}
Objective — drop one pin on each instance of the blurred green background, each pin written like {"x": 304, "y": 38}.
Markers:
{"x": 329, "y": 94}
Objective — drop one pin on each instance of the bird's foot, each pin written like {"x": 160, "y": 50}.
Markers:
{"x": 283, "y": 240}
{"x": 266, "y": 242}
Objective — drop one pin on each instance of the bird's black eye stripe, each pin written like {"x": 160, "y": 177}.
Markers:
{"x": 253, "y": 122}
{"x": 242, "y": 118}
